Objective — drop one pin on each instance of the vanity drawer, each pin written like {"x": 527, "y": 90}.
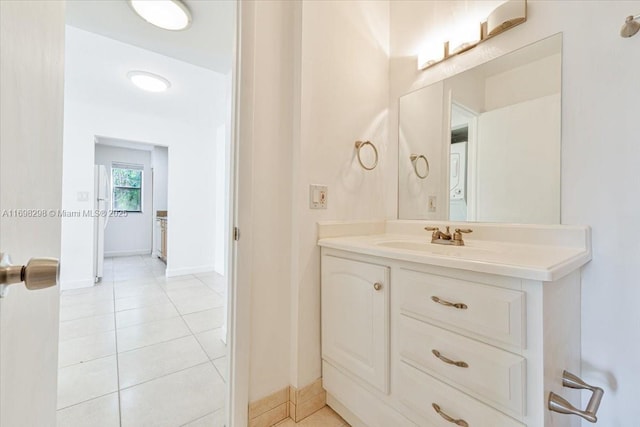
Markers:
{"x": 488, "y": 311}
{"x": 482, "y": 370}
{"x": 418, "y": 392}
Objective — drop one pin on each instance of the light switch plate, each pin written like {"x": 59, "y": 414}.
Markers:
{"x": 432, "y": 203}
{"x": 318, "y": 195}
{"x": 83, "y": 196}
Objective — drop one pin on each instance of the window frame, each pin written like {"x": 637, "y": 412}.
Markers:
{"x": 131, "y": 167}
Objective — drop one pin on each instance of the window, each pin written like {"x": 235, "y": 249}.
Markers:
{"x": 127, "y": 187}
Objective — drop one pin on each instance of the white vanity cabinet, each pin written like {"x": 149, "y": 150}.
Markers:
{"x": 438, "y": 346}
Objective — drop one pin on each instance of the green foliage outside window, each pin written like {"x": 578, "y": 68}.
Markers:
{"x": 127, "y": 189}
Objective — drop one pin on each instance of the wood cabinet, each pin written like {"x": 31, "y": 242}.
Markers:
{"x": 436, "y": 346}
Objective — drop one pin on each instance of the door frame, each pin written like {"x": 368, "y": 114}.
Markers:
{"x": 238, "y": 259}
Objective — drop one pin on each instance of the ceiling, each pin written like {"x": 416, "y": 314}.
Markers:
{"x": 207, "y": 43}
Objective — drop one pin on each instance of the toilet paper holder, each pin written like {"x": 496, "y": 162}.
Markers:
{"x": 562, "y": 406}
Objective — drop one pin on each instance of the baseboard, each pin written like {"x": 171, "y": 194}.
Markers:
{"x": 269, "y": 410}
{"x": 115, "y": 254}
{"x": 306, "y": 400}
{"x": 76, "y": 284}
{"x": 173, "y": 272}
{"x": 289, "y": 402}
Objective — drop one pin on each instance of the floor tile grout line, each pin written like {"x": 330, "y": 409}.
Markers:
{"x": 157, "y": 343}
{"x": 117, "y": 355}
{"x": 85, "y": 401}
{"x": 224, "y": 380}
{"x": 192, "y": 333}
{"x": 199, "y": 418}
{"x": 165, "y": 375}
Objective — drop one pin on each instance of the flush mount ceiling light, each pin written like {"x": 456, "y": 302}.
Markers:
{"x": 167, "y": 14}
{"x": 149, "y": 81}
{"x": 630, "y": 27}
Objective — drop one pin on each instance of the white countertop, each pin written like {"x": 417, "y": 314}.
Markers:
{"x": 535, "y": 261}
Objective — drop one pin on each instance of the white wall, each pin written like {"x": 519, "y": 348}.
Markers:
{"x": 600, "y": 87}
{"x": 343, "y": 92}
{"x": 31, "y": 105}
{"x": 222, "y": 200}
{"x": 131, "y": 234}
{"x": 314, "y": 80}
{"x": 265, "y": 185}
{"x": 160, "y": 164}
{"x": 99, "y": 100}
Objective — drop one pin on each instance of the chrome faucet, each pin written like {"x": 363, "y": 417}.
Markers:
{"x": 445, "y": 238}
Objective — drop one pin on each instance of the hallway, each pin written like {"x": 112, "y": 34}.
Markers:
{"x": 143, "y": 350}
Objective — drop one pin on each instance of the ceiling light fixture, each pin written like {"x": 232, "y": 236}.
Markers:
{"x": 149, "y": 81}
{"x": 167, "y": 14}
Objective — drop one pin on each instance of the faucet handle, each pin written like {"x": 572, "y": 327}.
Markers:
{"x": 464, "y": 230}
{"x": 432, "y": 228}
{"x": 457, "y": 236}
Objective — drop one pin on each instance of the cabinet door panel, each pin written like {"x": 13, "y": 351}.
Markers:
{"x": 355, "y": 318}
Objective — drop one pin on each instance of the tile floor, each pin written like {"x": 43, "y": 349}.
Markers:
{"x": 325, "y": 417}
{"x": 142, "y": 350}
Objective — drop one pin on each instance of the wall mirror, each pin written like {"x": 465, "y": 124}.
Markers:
{"x": 491, "y": 139}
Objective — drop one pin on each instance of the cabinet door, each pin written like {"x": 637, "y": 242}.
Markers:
{"x": 355, "y": 318}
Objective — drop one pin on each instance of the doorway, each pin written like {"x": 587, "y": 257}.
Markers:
{"x": 148, "y": 344}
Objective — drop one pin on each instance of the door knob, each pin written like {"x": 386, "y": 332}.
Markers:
{"x": 39, "y": 273}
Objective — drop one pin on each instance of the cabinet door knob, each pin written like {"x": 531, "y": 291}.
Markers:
{"x": 377, "y": 286}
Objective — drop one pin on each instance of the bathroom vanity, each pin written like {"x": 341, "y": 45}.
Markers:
{"x": 415, "y": 333}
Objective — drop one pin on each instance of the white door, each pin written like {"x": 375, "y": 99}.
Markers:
{"x": 31, "y": 99}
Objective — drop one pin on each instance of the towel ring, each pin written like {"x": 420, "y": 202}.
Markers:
{"x": 359, "y": 145}
{"x": 414, "y": 161}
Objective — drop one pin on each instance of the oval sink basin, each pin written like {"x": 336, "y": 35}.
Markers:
{"x": 432, "y": 248}
{"x": 407, "y": 245}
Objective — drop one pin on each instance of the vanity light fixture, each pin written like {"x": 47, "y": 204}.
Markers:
{"x": 431, "y": 54}
{"x": 465, "y": 39}
{"x": 631, "y": 26}
{"x": 166, "y": 14}
{"x": 504, "y": 17}
{"x": 148, "y": 81}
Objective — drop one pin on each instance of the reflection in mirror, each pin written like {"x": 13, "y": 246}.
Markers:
{"x": 492, "y": 139}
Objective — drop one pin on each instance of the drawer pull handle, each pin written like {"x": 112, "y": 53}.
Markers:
{"x": 457, "y": 305}
{"x": 439, "y": 355}
{"x": 377, "y": 286}
{"x": 439, "y": 411}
